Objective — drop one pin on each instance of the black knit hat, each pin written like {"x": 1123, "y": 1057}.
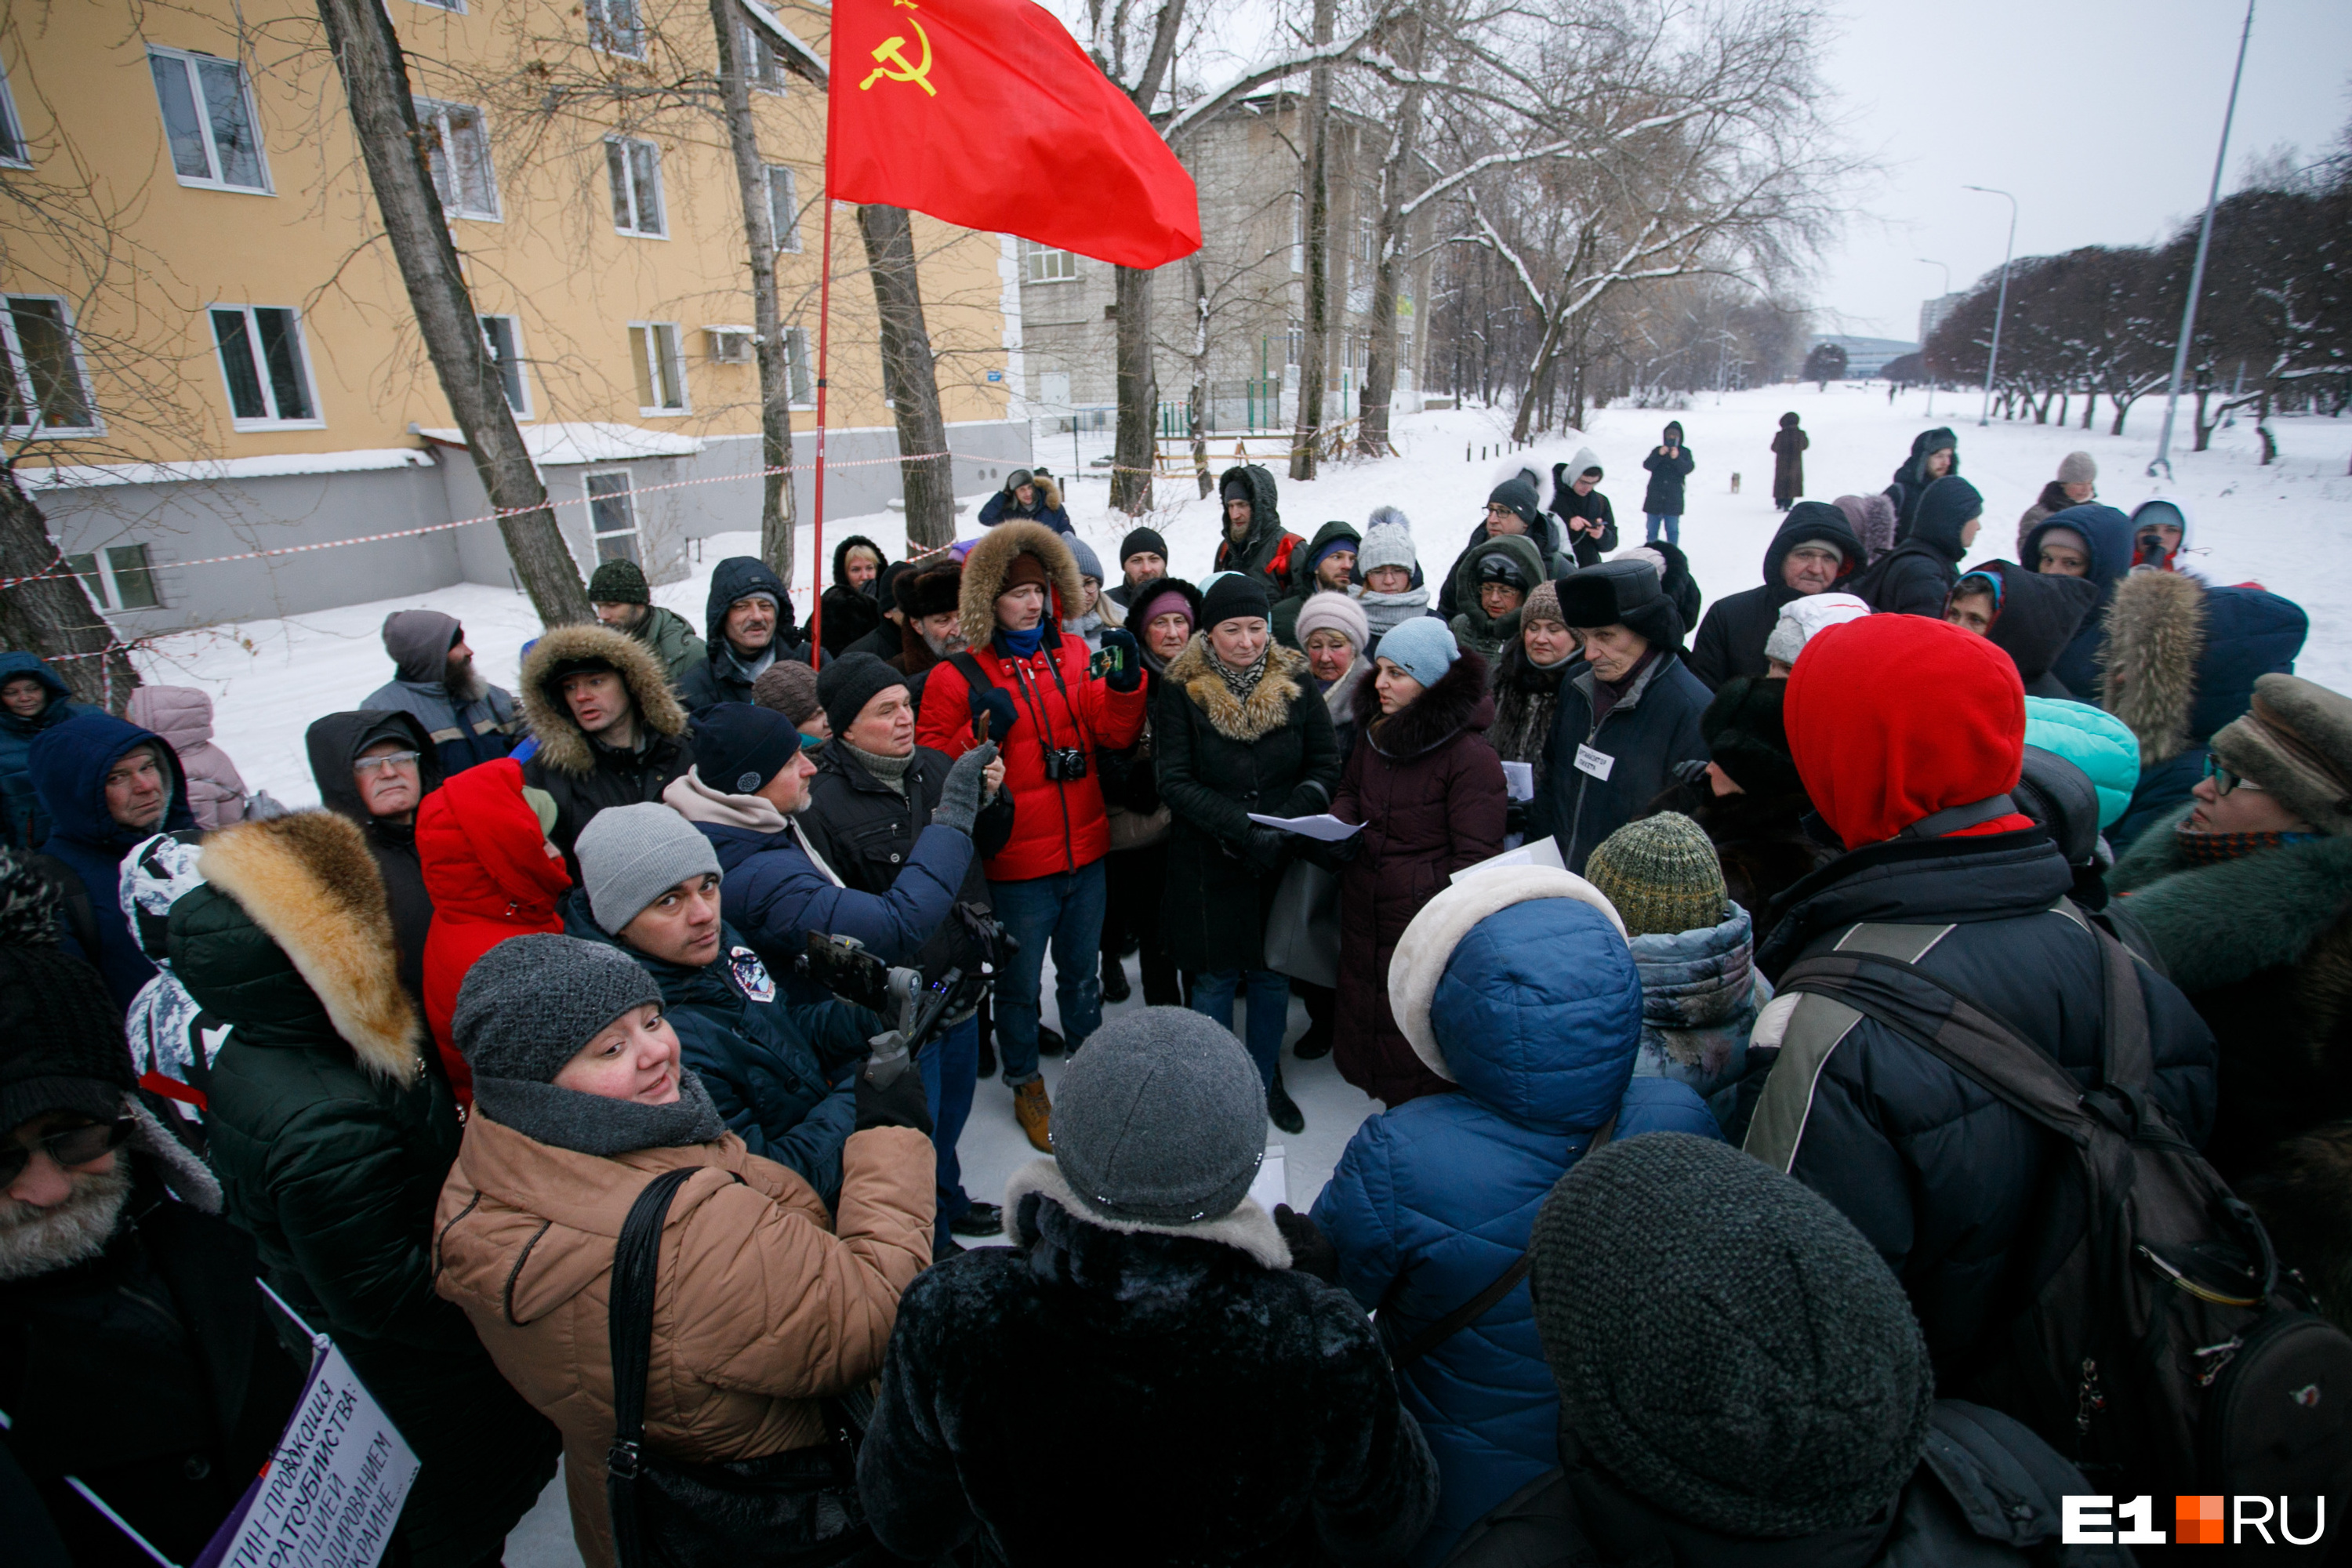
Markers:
{"x": 62, "y": 1043}
{"x": 1727, "y": 1345}
{"x": 848, "y": 683}
{"x": 1520, "y": 497}
{"x": 1141, "y": 539}
{"x": 1622, "y": 594}
{"x": 738, "y": 747}
{"x": 935, "y": 588}
{"x": 619, "y": 582}
{"x": 1235, "y": 593}
{"x": 1747, "y": 737}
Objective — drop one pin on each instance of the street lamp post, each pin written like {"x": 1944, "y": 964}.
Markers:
{"x": 2000, "y": 305}
{"x": 1929, "y": 261}
{"x": 2196, "y": 272}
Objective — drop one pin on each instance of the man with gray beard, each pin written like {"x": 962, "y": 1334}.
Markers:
{"x": 134, "y": 1354}
{"x": 434, "y": 677}
{"x": 926, "y": 598}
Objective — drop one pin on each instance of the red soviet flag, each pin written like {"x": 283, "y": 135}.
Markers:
{"x": 987, "y": 114}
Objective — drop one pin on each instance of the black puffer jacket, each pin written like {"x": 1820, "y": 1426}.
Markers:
{"x": 1731, "y": 640}
{"x": 1266, "y": 551}
{"x": 1929, "y": 1164}
{"x": 719, "y": 678}
{"x": 1653, "y": 726}
{"x": 1263, "y": 1389}
{"x": 1915, "y": 577}
{"x": 335, "y": 743}
{"x": 584, "y": 774}
{"x": 850, "y": 612}
{"x": 2039, "y": 616}
{"x": 1911, "y": 476}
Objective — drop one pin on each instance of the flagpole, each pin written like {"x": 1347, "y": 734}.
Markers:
{"x": 823, "y": 348}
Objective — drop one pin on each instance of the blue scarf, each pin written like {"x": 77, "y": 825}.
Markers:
{"x": 1021, "y": 644}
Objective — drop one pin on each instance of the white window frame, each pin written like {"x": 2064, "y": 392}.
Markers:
{"x": 456, "y": 8}
{"x": 12, "y": 130}
{"x": 660, "y": 336}
{"x": 521, "y": 362}
{"x": 188, "y": 60}
{"x": 272, "y": 421}
{"x": 799, "y": 374}
{"x": 784, "y": 217}
{"x": 439, "y": 114}
{"x": 634, "y": 534}
{"x": 634, "y": 228}
{"x": 106, "y": 588}
{"x": 1297, "y": 232}
{"x": 729, "y": 344}
{"x": 763, "y": 62}
{"x": 1047, "y": 263}
{"x": 21, "y": 371}
{"x": 604, "y": 37}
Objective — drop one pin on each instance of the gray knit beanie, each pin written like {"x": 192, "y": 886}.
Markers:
{"x": 631, "y": 855}
{"x": 1160, "y": 1120}
{"x": 530, "y": 1002}
{"x": 1727, "y": 1345}
{"x": 1385, "y": 544}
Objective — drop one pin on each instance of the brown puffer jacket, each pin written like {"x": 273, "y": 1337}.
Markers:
{"x": 764, "y": 1305}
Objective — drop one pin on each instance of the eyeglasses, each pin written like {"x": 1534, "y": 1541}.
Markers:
{"x": 388, "y": 760}
{"x": 2224, "y": 781}
{"x": 73, "y": 1146}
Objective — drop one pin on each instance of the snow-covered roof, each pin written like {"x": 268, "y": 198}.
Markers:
{"x": 801, "y": 55}
{"x": 277, "y": 465}
{"x": 561, "y": 443}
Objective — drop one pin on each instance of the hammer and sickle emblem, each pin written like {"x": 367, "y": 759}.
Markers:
{"x": 890, "y": 54}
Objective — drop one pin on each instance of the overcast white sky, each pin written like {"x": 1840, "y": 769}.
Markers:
{"x": 2101, "y": 116}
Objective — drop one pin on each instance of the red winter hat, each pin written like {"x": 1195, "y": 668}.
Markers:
{"x": 1894, "y": 718}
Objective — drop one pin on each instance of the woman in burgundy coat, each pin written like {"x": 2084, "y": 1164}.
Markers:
{"x": 1429, "y": 791}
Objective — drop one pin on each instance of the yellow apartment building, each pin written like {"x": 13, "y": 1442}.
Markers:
{"x": 209, "y": 350}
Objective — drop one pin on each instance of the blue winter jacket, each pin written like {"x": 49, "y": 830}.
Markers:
{"x": 1434, "y": 1199}
{"x": 69, "y": 763}
{"x": 774, "y": 894}
{"x": 2109, "y": 533}
{"x": 779, "y": 1071}
{"x": 23, "y": 823}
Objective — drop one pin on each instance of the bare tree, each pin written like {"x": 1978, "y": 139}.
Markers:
{"x": 1314, "y": 215}
{"x": 908, "y": 379}
{"x": 383, "y": 117}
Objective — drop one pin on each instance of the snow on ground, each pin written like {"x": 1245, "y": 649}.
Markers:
{"x": 2285, "y": 526}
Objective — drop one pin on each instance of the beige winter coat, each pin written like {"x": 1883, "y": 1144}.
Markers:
{"x": 764, "y": 1304}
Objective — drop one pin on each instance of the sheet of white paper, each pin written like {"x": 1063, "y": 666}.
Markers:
{"x": 1519, "y": 780}
{"x": 335, "y": 1484}
{"x": 1542, "y": 852}
{"x": 1326, "y": 827}
{"x": 1272, "y": 1186}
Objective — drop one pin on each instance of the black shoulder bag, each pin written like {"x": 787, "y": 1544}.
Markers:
{"x": 798, "y": 1508}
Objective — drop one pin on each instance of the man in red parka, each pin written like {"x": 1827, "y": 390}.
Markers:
{"x": 1026, "y": 684}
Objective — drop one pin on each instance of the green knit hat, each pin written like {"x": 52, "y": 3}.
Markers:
{"x": 619, "y": 582}
{"x": 1662, "y": 874}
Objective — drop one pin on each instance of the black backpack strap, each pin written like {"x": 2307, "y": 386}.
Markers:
{"x": 2124, "y": 1058}
{"x": 1814, "y": 1023}
{"x": 637, "y": 1256}
{"x": 1502, "y": 1284}
{"x": 975, "y": 682}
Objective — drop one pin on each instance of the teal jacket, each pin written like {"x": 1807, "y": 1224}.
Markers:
{"x": 2095, "y": 741}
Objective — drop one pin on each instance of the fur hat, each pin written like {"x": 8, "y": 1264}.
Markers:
{"x": 2296, "y": 742}
{"x": 2078, "y": 468}
{"x": 619, "y": 582}
{"x": 1662, "y": 875}
{"x": 1386, "y": 544}
{"x": 1388, "y": 517}
{"x": 1622, "y": 593}
{"x": 929, "y": 589}
{"x": 787, "y": 687}
{"x": 1333, "y": 613}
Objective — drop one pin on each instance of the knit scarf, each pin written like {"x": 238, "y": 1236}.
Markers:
{"x": 1241, "y": 682}
{"x": 1388, "y": 611}
{"x": 592, "y": 1124}
{"x": 2213, "y": 848}
{"x": 747, "y": 670}
{"x": 888, "y": 772}
{"x": 1021, "y": 644}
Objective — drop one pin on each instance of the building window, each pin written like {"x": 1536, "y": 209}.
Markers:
{"x": 612, "y": 517}
{"x": 503, "y": 338}
{"x": 262, "y": 361}
{"x": 45, "y": 390}
{"x": 458, "y": 152}
{"x": 1298, "y": 233}
{"x": 118, "y": 577}
{"x": 1047, "y": 265}
{"x": 661, "y": 369}
{"x": 763, "y": 65}
{"x": 785, "y": 208}
{"x": 635, "y": 170}
{"x": 730, "y": 345}
{"x": 14, "y": 153}
{"x": 800, "y": 381}
{"x": 209, "y": 121}
{"x": 615, "y": 28}
{"x": 1293, "y": 344}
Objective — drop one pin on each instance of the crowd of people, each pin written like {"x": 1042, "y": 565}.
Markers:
{"x": 1652, "y": 1254}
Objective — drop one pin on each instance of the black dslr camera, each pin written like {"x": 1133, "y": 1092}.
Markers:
{"x": 915, "y": 1008}
{"x": 1064, "y": 764}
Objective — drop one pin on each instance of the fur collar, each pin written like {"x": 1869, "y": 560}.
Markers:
{"x": 561, "y": 742}
{"x": 1249, "y": 1229}
{"x": 991, "y": 561}
{"x": 2156, "y": 633}
{"x": 307, "y": 881}
{"x": 1459, "y": 701}
{"x": 2218, "y": 924}
{"x": 1268, "y": 707}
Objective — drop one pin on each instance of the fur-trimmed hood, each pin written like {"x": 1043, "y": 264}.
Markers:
{"x": 566, "y": 651}
{"x": 1268, "y": 707}
{"x": 306, "y": 882}
{"x": 991, "y": 562}
{"x": 1460, "y": 701}
{"x": 2148, "y": 667}
{"x": 2221, "y": 923}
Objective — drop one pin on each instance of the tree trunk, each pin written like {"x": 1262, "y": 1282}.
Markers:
{"x": 1315, "y": 311}
{"x": 1381, "y": 365}
{"x": 778, "y": 514}
{"x": 1197, "y": 407}
{"x": 1134, "y": 450}
{"x": 909, "y": 378}
{"x": 53, "y": 615}
{"x": 2090, "y": 404}
{"x": 384, "y": 120}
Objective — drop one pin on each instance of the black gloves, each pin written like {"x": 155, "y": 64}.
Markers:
{"x": 901, "y": 1104}
{"x": 1267, "y": 848}
{"x": 959, "y": 795}
{"x": 996, "y": 703}
{"x": 1128, "y": 674}
{"x": 1311, "y": 1251}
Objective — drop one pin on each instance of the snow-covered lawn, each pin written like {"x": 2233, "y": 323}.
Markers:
{"x": 2288, "y": 526}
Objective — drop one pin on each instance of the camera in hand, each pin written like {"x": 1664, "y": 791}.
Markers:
{"x": 1064, "y": 764}
{"x": 918, "y": 1007}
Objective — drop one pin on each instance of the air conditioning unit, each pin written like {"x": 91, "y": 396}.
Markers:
{"x": 730, "y": 345}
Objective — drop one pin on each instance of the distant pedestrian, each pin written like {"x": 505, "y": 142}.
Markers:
{"x": 1576, "y": 500}
{"x": 1789, "y": 444}
{"x": 1934, "y": 454}
{"x": 1031, "y": 495}
{"x": 1669, "y": 465}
